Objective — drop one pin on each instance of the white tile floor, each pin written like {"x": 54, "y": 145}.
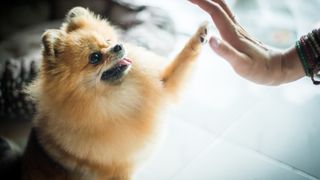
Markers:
{"x": 227, "y": 128}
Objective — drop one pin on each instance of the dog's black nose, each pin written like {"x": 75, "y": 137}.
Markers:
{"x": 117, "y": 48}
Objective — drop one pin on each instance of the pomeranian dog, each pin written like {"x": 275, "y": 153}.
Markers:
{"x": 98, "y": 101}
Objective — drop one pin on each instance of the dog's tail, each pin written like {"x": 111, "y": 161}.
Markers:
{"x": 10, "y": 159}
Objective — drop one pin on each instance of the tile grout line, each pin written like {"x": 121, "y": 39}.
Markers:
{"x": 273, "y": 160}
{"x": 227, "y": 128}
{"x": 263, "y": 155}
{"x": 219, "y": 138}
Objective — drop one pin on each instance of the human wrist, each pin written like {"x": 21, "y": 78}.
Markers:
{"x": 291, "y": 65}
{"x": 284, "y": 67}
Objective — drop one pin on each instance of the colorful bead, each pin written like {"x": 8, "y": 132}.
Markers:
{"x": 314, "y": 42}
{"x": 302, "y": 58}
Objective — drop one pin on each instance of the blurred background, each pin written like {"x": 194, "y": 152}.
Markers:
{"x": 223, "y": 127}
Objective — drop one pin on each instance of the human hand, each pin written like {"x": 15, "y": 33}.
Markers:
{"x": 249, "y": 58}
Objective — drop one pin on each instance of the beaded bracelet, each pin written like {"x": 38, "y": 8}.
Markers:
{"x": 308, "y": 49}
{"x": 302, "y": 58}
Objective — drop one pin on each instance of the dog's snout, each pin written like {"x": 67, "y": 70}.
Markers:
{"x": 117, "y": 48}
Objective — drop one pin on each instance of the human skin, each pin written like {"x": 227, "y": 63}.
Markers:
{"x": 248, "y": 57}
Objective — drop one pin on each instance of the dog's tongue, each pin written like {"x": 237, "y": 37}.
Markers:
{"x": 125, "y": 61}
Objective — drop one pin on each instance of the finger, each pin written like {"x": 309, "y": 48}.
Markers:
{"x": 226, "y": 8}
{"x": 225, "y": 25}
{"x": 237, "y": 59}
{"x": 241, "y": 30}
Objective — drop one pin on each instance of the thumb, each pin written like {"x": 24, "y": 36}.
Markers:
{"x": 226, "y": 51}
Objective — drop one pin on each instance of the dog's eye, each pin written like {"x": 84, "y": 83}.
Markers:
{"x": 95, "y": 58}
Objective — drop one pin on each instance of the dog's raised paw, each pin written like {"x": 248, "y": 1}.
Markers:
{"x": 203, "y": 33}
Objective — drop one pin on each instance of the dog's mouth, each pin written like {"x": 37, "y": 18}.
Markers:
{"x": 117, "y": 71}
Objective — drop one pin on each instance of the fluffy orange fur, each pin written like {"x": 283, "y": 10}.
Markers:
{"x": 92, "y": 128}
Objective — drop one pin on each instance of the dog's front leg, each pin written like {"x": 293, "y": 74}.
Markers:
{"x": 174, "y": 75}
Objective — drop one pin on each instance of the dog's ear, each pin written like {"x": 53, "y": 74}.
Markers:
{"x": 76, "y": 12}
{"x": 76, "y": 18}
{"x": 52, "y": 43}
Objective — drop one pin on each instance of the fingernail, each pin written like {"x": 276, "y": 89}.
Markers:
{"x": 214, "y": 42}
